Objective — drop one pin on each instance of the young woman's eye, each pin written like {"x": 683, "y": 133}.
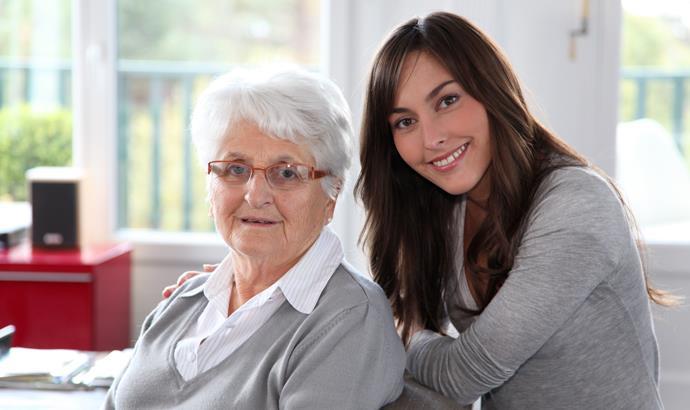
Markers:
{"x": 447, "y": 101}
{"x": 404, "y": 123}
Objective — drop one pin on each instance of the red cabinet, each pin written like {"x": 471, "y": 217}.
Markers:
{"x": 72, "y": 299}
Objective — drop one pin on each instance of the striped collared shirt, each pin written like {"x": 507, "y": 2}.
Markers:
{"x": 222, "y": 334}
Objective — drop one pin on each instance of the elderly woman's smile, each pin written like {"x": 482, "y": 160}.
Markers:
{"x": 259, "y": 218}
{"x": 260, "y": 222}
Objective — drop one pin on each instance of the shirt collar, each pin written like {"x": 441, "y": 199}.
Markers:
{"x": 218, "y": 281}
{"x": 302, "y": 285}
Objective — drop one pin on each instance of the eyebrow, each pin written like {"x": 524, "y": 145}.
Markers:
{"x": 429, "y": 96}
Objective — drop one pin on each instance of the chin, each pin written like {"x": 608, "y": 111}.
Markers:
{"x": 257, "y": 251}
{"x": 455, "y": 187}
{"x": 456, "y": 192}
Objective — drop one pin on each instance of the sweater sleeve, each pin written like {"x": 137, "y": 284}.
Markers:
{"x": 356, "y": 361}
{"x": 575, "y": 238}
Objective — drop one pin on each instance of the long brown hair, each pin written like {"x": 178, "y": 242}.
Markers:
{"x": 410, "y": 227}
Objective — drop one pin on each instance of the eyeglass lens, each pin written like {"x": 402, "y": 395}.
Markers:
{"x": 282, "y": 176}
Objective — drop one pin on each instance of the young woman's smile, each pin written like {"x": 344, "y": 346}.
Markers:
{"x": 449, "y": 161}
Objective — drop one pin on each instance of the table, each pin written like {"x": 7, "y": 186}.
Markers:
{"x": 16, "y": 399}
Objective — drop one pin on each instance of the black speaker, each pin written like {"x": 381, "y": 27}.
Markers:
{"x": 54, "y": 207}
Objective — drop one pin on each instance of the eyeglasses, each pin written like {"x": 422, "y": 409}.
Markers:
{"x": 279, "y": 176}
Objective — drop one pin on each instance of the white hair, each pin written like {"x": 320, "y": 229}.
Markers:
{"x": 290, "y": 104}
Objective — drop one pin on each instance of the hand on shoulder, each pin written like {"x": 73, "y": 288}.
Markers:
{"x": 168, "y": 290}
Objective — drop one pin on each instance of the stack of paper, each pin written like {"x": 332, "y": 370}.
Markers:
{"x": 37, "y": 368}
{"x": 105, "y": 369}
{"x": 57, "y": 369}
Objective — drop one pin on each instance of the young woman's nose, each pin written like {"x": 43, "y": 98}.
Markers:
{"x": 434, "y": 135}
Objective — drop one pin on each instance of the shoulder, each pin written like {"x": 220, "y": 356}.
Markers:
{"x": 577, "y": 192}
{"x": 576, "y": 181}
{"x": 187, "y": 293}
{"x": 576, "y": 206}
{"x": 353, "y": 311}
{"x": 192, "y": 288}
{"x": 349, "y": 288}
{"x": 351, "y": 301}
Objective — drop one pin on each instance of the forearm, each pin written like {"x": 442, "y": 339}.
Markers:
{"x": 458, "y": 368}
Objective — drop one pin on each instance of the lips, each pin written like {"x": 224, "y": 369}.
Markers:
{"x": 258, "y": 221}
{"x": 448, "y": 159}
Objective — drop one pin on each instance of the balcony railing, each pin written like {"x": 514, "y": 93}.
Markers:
{"x": 163, "y": 92}
{"x": 18, "y": 80}
{"x": 161, "y": 184}
{"x": 673, "y": 84}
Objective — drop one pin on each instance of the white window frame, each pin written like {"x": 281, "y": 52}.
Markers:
{"x": 94, "y": 130}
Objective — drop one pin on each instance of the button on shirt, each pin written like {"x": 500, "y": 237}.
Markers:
{"x": 221, "y": 334}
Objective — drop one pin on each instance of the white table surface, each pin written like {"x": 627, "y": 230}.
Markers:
{"x": 15, "y": 399}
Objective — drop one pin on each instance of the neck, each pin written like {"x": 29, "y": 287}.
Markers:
{"x": 253, "y": 275}
{"x": 479, "y": 194}
{"x": 481, "y": 204}
{"x": 475, "y": 214}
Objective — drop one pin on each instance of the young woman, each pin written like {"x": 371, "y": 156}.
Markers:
{"x": 480, "y": 216}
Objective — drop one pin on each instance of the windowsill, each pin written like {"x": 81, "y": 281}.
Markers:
{"x": 173, "y": 247}
{"x": 676, "y": 233}
{"x": 668, "y": 247}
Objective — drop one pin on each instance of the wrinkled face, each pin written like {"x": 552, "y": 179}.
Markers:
{"x": 261, "y": 222}
{"x": 439, "y": 130}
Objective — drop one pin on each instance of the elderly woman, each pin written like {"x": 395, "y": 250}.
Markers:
{"x": 282, "y": 322}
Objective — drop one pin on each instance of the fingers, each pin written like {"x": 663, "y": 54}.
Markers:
{"x": 207, "y": 267}
{"x": 168, "y": 290}
{"x": 185, "y": 276}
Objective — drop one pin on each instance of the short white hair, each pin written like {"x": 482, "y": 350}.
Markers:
{"x": 289, "y": 104}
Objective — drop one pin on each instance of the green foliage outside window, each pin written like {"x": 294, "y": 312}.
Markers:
{"x": 662, "y": 44}
{"x": 30, "y": 139}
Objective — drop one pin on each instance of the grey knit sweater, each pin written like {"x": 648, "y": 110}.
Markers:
{"x": 570, "y": 328}
{"x": 345, "y": 354}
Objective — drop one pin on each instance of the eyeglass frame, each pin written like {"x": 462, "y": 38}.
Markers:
{"x": 313, "y": 172}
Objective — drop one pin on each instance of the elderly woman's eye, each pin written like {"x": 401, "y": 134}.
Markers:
{"x": 236, "y": 170}
{"x": 288, "y": 173}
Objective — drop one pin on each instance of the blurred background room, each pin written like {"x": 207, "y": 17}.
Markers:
{"x": 107, "y": 87}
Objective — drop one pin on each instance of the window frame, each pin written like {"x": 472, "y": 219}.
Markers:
{"x": 95, "y": 133}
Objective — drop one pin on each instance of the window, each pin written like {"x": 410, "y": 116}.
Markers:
{"x": 35, "y": 90}
{"x": 166, "y": 55}
{"x": 654, "y": 134}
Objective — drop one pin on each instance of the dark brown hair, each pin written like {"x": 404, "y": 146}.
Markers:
{"x": 410, "y": 227}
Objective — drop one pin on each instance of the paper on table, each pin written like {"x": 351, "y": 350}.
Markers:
{"x": 105, "y": 369}
{"x": 53, "y": 365}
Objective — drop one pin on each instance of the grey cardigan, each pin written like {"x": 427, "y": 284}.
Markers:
{"x": 345, "y": 354}
{"x": 571, "y": 326}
